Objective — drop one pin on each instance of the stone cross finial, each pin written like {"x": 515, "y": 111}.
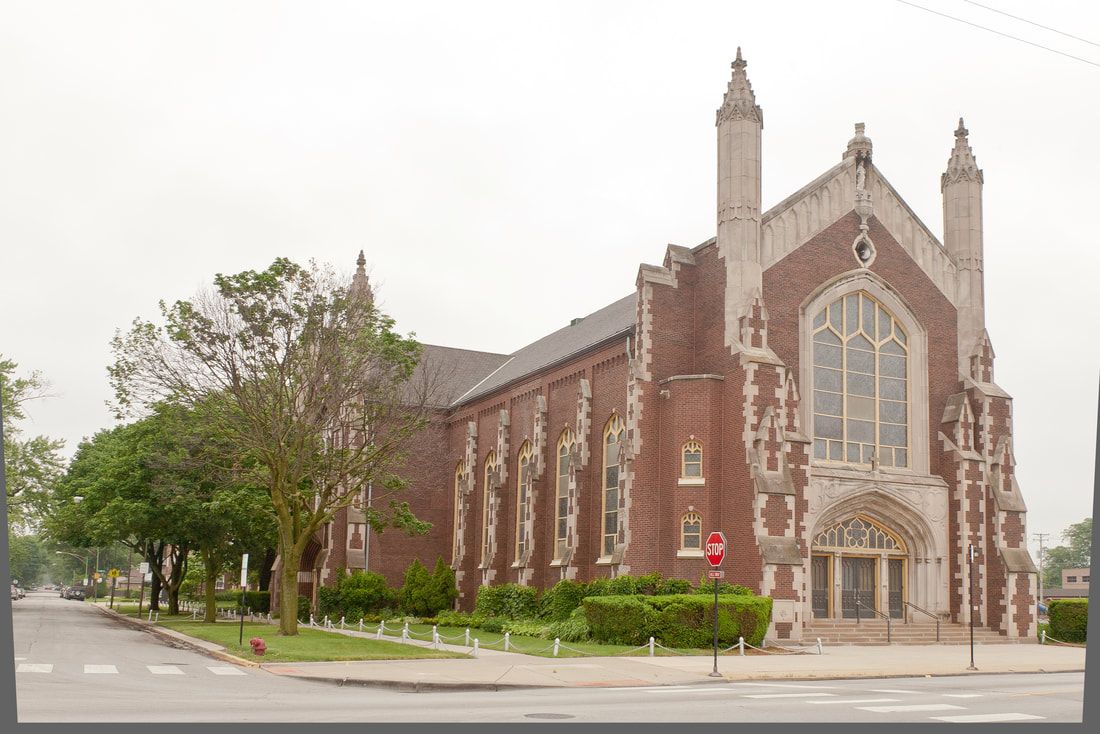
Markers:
{"x": 961, "y": 166}
{"x": 739, "y": 102}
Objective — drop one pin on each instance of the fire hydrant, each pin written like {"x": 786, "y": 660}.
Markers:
{"x": 259, "y": 647}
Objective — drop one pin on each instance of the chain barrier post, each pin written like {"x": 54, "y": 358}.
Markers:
{"x": 651, "y": 643}
{"x": 475, "y": 647}
{"x": 1043, "y": 639}
{"x": 360, "y": 624}
{"x": 379, "y": 635}
{"x": 741, "y": 645}
{"x": 435, "y": 637}
{"x": 341, "y": 621}
{"x": 557, "y": 644}
{"x": 818, "y": 645}
{"x": 467, "y": 637}
{"x": 405, "y": 634}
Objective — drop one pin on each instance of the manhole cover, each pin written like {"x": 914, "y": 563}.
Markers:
{"x": 550, "y": 716}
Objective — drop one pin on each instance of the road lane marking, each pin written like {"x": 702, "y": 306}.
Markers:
{"x": 639, "y": 688}
{"x": 17, "y": 659}
{"x": 783, "y": 685}
{"x": 976, "y": 718}
{"x": 164, "y": 670}
{"x": 100, "y": 669}
{"x": 34, "y": 668}
{"x": 858, "y": 700}
{"x": 786, "y": 695}
{"x": 890, "y": 690}
{"x": 963, "y": 695}
{"x": 224, "y": 670}
{"x": 911, "y": 707}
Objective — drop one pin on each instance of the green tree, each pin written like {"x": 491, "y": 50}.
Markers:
{"x": 31, "y": 464}
{"x": 1076, "y": 553}
{"x": 28, "y": 559}
{"x": 317, "y": 386}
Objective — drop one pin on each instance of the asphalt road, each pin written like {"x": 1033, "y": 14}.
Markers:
{"x": 74, "y": 664}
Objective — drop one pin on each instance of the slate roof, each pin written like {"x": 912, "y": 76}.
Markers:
{"x": 597, "y": 327}
{"x": 447, "y": 373}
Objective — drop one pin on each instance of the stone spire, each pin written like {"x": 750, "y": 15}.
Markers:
{"x": 961, "y": 185}
{"x": 739, "y": 122}
{"x": 360, "y": 283}
{"x": 961, "y": 166}
{"x": 739, "y": 103}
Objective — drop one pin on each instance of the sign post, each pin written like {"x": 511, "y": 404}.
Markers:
{"x": 715, "y": 551}
{"x": 144, "y": 569}
{"x": 244, "y": 587}
{"x": 973, "y": 606}
{"x": 113, "y": 574}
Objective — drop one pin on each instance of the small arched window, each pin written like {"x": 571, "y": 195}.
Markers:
{"x": 691, "y": 532}
{"x": 523, "y": 495}
{"x": 613, "y": 435}
{"x": 691, "y": 462}
{"x": 561, "y": 504}
{"x": 486, "y": 514}
{"x": 455, "y": 531}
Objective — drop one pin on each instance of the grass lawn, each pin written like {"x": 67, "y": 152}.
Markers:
{"x": 536, "y": 645}
{"x": 308, "y": 645}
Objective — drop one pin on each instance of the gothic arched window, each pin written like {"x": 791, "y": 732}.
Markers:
{"x": 458, "y": 509}
{"x": 523, "y": 495}
{"x": 861, "y": 383}
{"x": 561, "y": 504}
{"x": 486, "y": 515}
{"x": 613, "y": 435}
{"x": 691, "y": 532}
{"x": 691, "y": 460}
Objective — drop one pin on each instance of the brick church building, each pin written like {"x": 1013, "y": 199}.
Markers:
{"x": 816, "y": 381}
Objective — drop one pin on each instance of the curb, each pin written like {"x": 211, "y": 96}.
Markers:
{"x": 191, "y": 643}
{"x": 417, "y": 686}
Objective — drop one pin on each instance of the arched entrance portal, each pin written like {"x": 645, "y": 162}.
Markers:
{"x": 858, "y": 564}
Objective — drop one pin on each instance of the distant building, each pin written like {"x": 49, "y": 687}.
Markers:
{"x": 1075, "y": 578}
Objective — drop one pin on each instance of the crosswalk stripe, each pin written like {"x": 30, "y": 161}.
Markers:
{"x": 963, "y": 695}
{"x": 977, "y": 718}
{"x": 786, "y": 695}
{"x": 784, "y": 685}
{"x": 164, "y": 670}
{"x": 100, "y": 669}
{"x": 34, "y": 668}
{"x": 912, "y": 707}
{"x": 857, "y": 700}
{"x": 224, "y": 670}
{"x": 889, "y": 690}
{"x": 18, "y": 659}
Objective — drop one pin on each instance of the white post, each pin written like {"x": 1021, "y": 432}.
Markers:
{"x": 157, "y": 617}
{"x": 435, "y": 637}
{"x": 405, "y": 633}
{"x": 1043, "y": 640}
{"x": 475, "y": 647}
{"x": 360, "y": 624}
{"x": 741, "y": 644}
{"x": 341, "y": 621}
{"x": 651, "y": 646}
{"x": 379, "y": 635}
{"x": 311, "y": 619}
{"x": 557, "y": 642}
{"x": 467, "y": 637}
{"x": 507, "y": 640}
{"x": 818, "y": 645}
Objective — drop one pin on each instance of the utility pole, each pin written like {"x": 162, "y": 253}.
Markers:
{"x": 1041, "y": 537}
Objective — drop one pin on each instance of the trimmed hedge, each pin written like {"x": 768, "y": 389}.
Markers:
{"x": 680, "y": 620}
{"x": 1069, "y": 619}
{"x": 559, "y": 601}
{"x": 512, "y": 601}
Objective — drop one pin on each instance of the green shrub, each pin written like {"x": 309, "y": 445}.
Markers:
{"x": 494, "y": 624}
{"x": 725, "y": 588}
{"x": 562, "y": 599}
{"x": 680, "y": 620}
{"x": 425, "y": 593}
{"x": 258, "y": 601}
{"x": 675, "y": 586}
{"x": 328, "y": 601}
{"x": 528, "y": 628}
{"x": 1068, "y": 619}
{"x": 364, "y": 593}
{"x": 448, "y": 618}
{"x": 303, "y": 607}
{"x": 511, "y": 601}
{"x": 574, "y": 629}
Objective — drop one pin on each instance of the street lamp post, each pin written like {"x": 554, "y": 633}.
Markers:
{"x": 86, "y": 560}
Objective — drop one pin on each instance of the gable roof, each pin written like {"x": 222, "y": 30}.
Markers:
{"x": 615, "y": 319}
{"x": 445, "y": 373}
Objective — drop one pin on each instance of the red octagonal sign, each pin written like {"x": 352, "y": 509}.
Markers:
{"x": 715, "y": 549}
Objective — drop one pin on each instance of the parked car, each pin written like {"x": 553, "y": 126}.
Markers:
{"x": 75, "y": 592}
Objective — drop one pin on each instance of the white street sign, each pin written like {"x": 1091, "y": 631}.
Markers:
{"x": 143, "y": 567}
{"x": 244, "y": 570}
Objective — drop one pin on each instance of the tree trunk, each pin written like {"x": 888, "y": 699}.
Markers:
{"x": 179, "y": 566}
{"x": 211, "y": 568}
{"x": 288, "y": 594}
{"x": 265, "y": 569}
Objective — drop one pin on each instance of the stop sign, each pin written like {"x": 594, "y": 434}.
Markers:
{"x": 715, "y": 549}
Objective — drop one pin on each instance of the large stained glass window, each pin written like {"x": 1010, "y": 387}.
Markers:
{"x": 861, "y": 384}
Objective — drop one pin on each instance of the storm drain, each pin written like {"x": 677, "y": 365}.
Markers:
{"x": 549, "y": 716}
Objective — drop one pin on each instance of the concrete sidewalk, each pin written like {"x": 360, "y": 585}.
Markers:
{"x": 496, "y": 670}
{"x": 503, "y": 671}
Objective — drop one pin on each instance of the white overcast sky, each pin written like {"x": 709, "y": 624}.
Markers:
{"x": 507, "y": 166}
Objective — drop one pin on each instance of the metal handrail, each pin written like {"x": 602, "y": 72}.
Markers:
{"x": 924, "y": 611}
{"x": 876, "y": 612}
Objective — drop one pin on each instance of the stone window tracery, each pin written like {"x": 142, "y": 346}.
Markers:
{"x": 561, "y": 504}
{"x": 691, "y": 460}
{"x": 613, "y": 435}
{"x": 459, "y": 470}
{"x": 691, "y": 532}
{"x": 860, "y": 384}
{"x": 486, "y": 515}
{"x": 523, "y": 495}
{"x": 859, "y": 533}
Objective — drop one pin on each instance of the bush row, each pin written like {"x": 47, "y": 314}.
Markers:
{"x": 683, "y": 620}
{"x": 1069, "y": 619}
{"x": 366, "y": 596}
